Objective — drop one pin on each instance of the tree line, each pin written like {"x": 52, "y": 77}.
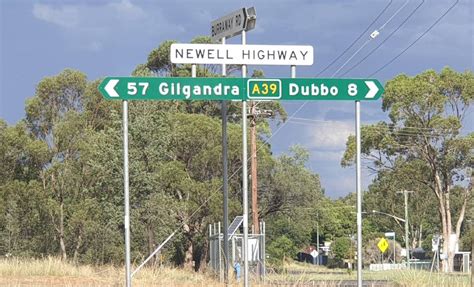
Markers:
{"x": 61, "y": 179}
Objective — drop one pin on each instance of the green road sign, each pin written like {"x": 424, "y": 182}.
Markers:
{"x": 134, "y": 88}
{"x": 313, "y": 89}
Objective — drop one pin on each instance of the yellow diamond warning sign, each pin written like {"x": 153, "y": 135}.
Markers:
{"x": 383, "y": 245}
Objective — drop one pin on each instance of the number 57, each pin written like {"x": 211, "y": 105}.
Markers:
{"x": 132, "y": 88}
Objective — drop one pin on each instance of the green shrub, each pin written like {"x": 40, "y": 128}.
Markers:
{"x": 280, "y": 249}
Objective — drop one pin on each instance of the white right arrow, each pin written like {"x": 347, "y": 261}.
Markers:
{"x": 373, "y": 89}
{"x": 109, "y": 88}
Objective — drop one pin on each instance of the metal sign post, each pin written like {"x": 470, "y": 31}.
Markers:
{"x": 128, "y": 277}
{"x": 359, "y": 195}
{"x": 225, "y": 180}
{"x": 225, "y": 27}
{"x": 394, "y": 253}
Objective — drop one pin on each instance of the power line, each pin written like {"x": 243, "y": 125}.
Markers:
{"x": 374, "y": 35}
{"x": 417, "y": 39}
{"x": 353, "y": 55}
{"x": 357, "y": 39}
{"x": 393, "y": 133}
{"x": 393, "y": 16}
{"x": 406, "y": 19}
{"x": 306, "y": 102}
{"x": 391, "y": 128}
{"x": 386, "y": 39}
{"x": 397, "y": 133}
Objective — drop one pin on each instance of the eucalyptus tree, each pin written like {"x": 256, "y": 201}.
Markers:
{"x": 22, "y": 203}
{"x": 423, "y": 142}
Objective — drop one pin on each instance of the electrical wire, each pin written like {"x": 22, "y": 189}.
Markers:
{"x": 393, "y": 16}
{"x": 372, "y": 37}
{"x": 397, "y": 133}
{"x": 353, "y": 55}
{"x": 417, "y": 39}
{"x": 394, "y": 133}
{"x": 409, "y": 128}
{"x": 357, "y": 39}
{"x": 306, "y": 102}
{"x": 385, "y": 40}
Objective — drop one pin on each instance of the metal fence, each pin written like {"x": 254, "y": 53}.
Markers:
{"x": 256, "y": 251}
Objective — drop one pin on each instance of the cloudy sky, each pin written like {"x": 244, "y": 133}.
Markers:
{"x": 109, "y": 38}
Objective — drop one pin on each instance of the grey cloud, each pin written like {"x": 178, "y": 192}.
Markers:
{"x": 64, "y": 16}
{"x": 99, "y": 26}
{"x": 128, "y": 10}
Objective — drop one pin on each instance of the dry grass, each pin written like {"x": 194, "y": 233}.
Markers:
{"x": 305, "y": 274}
{"x": 54, "y": 272}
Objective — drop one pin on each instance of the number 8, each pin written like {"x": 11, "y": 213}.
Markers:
{"x": 352, "y": 90}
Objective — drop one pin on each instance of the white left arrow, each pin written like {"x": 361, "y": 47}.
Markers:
{"x": 109, "y": 88}
{"x": 373, "y": 89}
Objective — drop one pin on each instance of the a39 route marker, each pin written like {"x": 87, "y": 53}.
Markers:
{"x": 241, "y": 89}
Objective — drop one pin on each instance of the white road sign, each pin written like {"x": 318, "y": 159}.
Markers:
{"x": 229, "y": 25}
{"x": 242, "y": 54}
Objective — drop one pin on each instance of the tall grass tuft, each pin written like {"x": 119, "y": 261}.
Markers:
{"x": 52, "y": 271}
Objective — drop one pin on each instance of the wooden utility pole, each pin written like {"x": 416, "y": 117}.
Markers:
{"x": 253, "y": 165}
{"x": 254, "y": 113}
